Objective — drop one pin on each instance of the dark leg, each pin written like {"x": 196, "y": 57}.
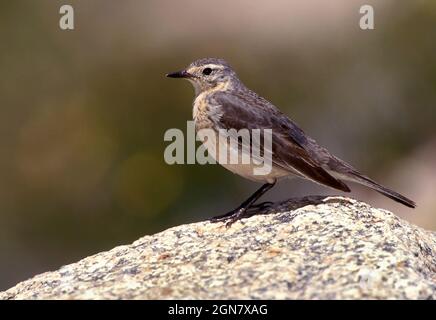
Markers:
{"x": 240, "y": 212}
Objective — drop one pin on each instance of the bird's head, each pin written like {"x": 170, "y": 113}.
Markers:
{"x": 205, "y": 74}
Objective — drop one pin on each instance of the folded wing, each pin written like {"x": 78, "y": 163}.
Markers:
{"x": 289, "y": 143}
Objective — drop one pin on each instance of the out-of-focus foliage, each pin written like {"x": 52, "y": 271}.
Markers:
{"x": 83, "y": 112}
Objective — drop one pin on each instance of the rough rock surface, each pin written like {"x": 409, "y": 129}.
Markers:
{"x": 311, "y": 248}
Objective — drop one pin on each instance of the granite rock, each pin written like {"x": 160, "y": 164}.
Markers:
{"x": 309, "y": 248}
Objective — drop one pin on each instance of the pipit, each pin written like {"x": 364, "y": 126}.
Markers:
{"x": 222, "y": 101}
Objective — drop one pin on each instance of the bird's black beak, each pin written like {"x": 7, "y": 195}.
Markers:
{"x": 179, "y": 74}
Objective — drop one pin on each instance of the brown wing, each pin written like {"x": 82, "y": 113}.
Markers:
{"x": 289, "y": 143}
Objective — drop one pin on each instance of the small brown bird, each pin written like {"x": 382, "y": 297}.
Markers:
{"x": 222, "y": 101}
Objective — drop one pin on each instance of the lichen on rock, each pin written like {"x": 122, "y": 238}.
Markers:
{"x": 309, "y": 248}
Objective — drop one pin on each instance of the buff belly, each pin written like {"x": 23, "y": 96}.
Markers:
{"x": 241, "y": 163}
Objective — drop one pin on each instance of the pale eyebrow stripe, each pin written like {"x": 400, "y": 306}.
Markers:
{"x": 211, "y": 65}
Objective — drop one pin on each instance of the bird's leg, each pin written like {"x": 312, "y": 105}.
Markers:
{"x": 241, "y": 211}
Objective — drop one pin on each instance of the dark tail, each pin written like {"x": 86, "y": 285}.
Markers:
{"x": 359, "y": 178}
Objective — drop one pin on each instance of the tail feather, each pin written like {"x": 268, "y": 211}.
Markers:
{"x": 359, "y": 178}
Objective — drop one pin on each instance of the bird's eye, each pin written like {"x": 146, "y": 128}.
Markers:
{"x": 207, "y": 71}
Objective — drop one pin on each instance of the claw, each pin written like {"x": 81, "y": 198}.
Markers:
{"x": 231, "y": 216}
{"x": 237, "y": 214}
{"x": 260, "y": 208}
{"x": 224, "y": 217}
{"x": 241, "y": 211}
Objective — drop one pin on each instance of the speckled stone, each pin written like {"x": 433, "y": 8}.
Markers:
{"x": 311, "y": 248}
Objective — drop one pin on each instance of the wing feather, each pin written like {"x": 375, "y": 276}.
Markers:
{"x": 290, "y": 146}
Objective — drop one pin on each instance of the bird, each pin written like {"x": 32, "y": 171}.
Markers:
{"x": 223, "y": 102}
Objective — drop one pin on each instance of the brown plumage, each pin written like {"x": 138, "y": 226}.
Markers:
{"x": 224, "y": 102}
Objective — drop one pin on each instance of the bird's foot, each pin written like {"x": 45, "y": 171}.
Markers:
{"x": 231, "y": 217}
{"x": 239, "y": 213}
{"x": 260, "y": 208}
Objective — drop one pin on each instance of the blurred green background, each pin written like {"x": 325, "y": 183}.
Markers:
{"x": 83, "y": 112}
